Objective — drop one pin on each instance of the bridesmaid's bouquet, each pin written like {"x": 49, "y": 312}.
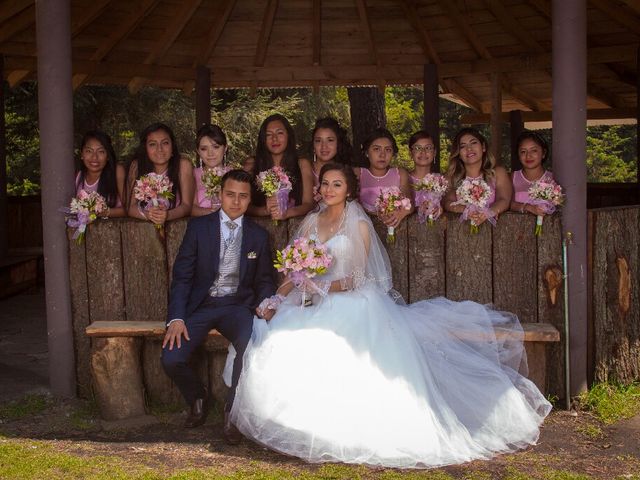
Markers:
{"x": 83, "y": 210}
{"x": 153, "y": 190}
{"x": 275, "y": 181}
{"x": 301, "y": 261}
{"x": 547, "y": 195}
{"x": 474, "y": 194}
{"x": 390, "y": 200}
{"x": 212, "y": 181}
{"x": 429, "y": 193}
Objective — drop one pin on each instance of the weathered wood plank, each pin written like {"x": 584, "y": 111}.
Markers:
{"x": 398, "y": 254}
{"x": 515, "y": 266}
{"x": 615, "y": 295}
{"x": 550, "y": 293}
{"x": 117, "y": 377}
{"x": 278, "y": 234}
{"x": 104, "y": 271}
{"x": 427, "y": 267}
{"x": 80, "y": 314}
{"x": 469, "y": 269}
{"x": 175, "y": 232}
{"x": 145, "y": 271}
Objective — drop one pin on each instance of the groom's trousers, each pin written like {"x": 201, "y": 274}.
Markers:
{"x": 234, "y": 322}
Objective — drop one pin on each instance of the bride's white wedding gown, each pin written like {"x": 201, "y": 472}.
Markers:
{"x": 358, "y": 378}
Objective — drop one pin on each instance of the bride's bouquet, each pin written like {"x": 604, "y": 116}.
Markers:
{"x": 212, "y": 181}
{"x": 547, "y": 195}
{"x": 474, "y": 194}
{"x": 153, "y": 190}
{"x": 429, "y": 193}
{"x": 275, "y": 181}
{"x": 390, "y": 200}
{"x": 84, "y": 209}
{"x": 301, "y": 261}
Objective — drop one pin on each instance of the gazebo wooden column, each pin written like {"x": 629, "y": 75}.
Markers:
{"x": 432, "y": 109}
{"x": 55, "y": 109}
{"x": 569, "y": 60}
{"x": 495, "y": 143}
{"x": 4, "y": 230}
{"x": 203, "y": 96}
{"x": 517, "y": 126}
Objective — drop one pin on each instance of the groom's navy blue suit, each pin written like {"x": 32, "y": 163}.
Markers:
{"x": 194, "y": 272}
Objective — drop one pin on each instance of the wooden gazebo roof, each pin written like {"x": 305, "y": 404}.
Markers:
{"x": 277, "y": 43}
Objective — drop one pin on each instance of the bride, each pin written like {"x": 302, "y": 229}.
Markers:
{"x": 359, "y": 378}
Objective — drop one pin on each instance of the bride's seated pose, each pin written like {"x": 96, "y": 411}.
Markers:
{"x": 358, "y": 377}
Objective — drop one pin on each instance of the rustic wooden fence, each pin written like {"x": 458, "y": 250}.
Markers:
{"x": 122, "y": 270}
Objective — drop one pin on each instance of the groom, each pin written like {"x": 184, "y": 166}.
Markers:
{"x": 223, "y": 270}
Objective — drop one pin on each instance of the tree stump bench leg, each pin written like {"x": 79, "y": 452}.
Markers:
{"x": 217, "y": 360}
{"x": 117, "y": 377}
{"x": 536, "y": 361}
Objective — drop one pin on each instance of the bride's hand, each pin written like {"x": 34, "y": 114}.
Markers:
{"x": 267, "y": 314}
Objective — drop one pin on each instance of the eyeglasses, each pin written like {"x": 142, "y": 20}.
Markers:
{"x": 422, "y": 148}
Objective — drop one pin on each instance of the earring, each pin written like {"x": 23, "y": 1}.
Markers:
{"x": 314, "y": 157}
{"x": 200, "y": 158}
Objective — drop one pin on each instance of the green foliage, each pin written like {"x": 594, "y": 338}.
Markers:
{"x": 26, "y": 406}
{"x": 610, "y": 154}
{"x": 612, "y": 402}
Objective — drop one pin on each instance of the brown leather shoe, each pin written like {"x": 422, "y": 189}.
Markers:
{"x": 231, "y": 433}
{"x": 198, "y": 412}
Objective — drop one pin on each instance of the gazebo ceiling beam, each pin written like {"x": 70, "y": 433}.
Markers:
{"x": 633, "y": 4}
{"x": 512, "y": 25}
{"x": 87, "y": 16}
{"x": 545, "y": 116}
{"x": 458, "y": 19}
{"x": 426, "y": 44}
{"x": 365, "y": 24}
{"x": 118, "y": 35}
{"x": 317, "y": 32}
{"x": 604, "y": 96}
{"x": 17, "y": 24}
{"x": 521, "y": 96}
{"x": 214, "y": 36}
{"x": 624, "y": 74}
{"x": 463, "y": 94}
{"x": 185, "y": 13}
{"x": 543, "y": 6}
{"x": 13, "y": 7}
{"x": 620, "y": 15}
{"x": 265, "y": 33}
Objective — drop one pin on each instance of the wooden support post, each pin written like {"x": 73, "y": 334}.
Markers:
{"x": 4, "y": 230}
{"x": 203, "y": 96}
{"x": 432, "y": 109}
{"x": 569, "y": 60}
{"x": 517, "y": 126}
{"x": 638, "y": 128}
{"x": 55, "y": 111}
{"x": 496, "y": 118}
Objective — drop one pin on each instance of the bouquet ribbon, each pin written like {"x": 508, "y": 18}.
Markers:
{"x": 427, "y": 203}
{"x": 472, "y": 209}
{"x": 282, "y": 196}
{"x": 305, "y": 285}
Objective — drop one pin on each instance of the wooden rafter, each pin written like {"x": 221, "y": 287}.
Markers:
{"x": 210, "y": 45}
{"x": 16, "y": 77}
{"x": 9, "y": 8}
{"x": 624, "y": 74}
{"x": 521, "y": 96}
{"x": 458, "y": 19}
{"x": 633, "y": 4}
{"x": 365, "y": 24}
{"x": 20, "y": 22}
{"x": 604, "y": 96}
{"x": 317, "y": 31}
{"x": 620, "y": 15}
{"x": 177, "y": 24}
{"x": 512, "y": 25}
{"x": 265, "y": 33}
{"x": 118, "y": 35}
{"x": 463, "y": 94}
{"x": 424, "y": 38}
{"x": 543, "y": 6}
{"x": 87, "y": 16}
{"x": 546, "y": 116}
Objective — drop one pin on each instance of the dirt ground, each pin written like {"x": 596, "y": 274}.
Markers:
{"x": 570, "y": 441}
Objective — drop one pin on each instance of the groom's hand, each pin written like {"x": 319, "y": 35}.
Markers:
{"x": 174, "y": 334}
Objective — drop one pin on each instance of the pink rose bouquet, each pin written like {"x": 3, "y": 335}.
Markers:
{"x": 84, "y": 209}
{"x": 547, "y": 195}
{"x": 153, "y": 190}
{"x": 275, "y": 181}
{"x": 390, "y": 200}
{"x": 212, "y": 181}
{"x": 301, "y": 261}
{"x": 474, "y": 194}
{"x": 429, "y": 193}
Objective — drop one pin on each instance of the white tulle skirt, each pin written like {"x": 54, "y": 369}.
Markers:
{"x": 360, "y": 379}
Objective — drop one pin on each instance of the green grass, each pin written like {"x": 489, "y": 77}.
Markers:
{"x": 84, "y": 416}
{"x": 28, "y": 405}
{"x": 612, "y": 402}
{"x": 591, "y": 431}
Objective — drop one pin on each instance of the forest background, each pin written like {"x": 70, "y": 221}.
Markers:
{"x": 611, "y": 149}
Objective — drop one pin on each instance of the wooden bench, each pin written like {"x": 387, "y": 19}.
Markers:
{"x": 125, "y": 364}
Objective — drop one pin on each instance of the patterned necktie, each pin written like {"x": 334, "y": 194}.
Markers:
{"x": 232, "y": 233}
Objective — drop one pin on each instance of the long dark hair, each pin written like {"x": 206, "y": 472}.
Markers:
{"x": 107, "y": 184}
{"x": 145, "y": 165}
{"x": 264, "y": 160}
{"x": 373, "y": 136}
{"x": 344, "y": 153}
{"x": 536, "y": 138}
{"x": 349, "y": 175}
{"x": 456, "y": 169}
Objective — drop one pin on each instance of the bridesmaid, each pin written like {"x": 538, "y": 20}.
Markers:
{"x": 100, "y": 172}
{"x": 277, "y": 147}
{"x": 423, "y": 153}
{"x": 158, "y": 152}
{"x": 379, "y": 149}
{"x": 211, "y": 146}
{"x": 470, "y": 158}
{"x": 330, "y": 145}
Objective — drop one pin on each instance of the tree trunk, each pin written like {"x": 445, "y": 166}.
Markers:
{"x": 367, "y": 114}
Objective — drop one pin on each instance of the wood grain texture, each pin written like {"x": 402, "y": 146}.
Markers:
{"x": 159, "y": 388}
{"x": 398, "y": 254}
{"x": 427, "y": 269}
{"x": 175, "y": 232}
